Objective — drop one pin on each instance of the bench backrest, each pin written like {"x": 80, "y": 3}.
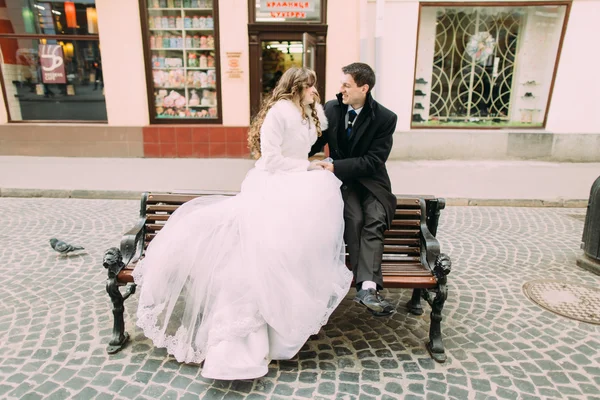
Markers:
{"x": 403, "y": 258}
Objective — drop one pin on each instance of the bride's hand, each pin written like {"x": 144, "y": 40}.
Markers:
{"x": 315, "y": 166}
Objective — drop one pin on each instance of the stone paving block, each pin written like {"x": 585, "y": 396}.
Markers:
{"x": 86, "y": 393}
{"x": 32, "y": 396}
{"x": 494, "y": 349}
{"x": 326, "y": 388}
{"x": 130, "y": 391}
{"x": 170, "y": 395}
{"x": 76, "y": 383}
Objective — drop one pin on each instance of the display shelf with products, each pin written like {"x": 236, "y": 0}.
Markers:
{"x": 181, "y": 41}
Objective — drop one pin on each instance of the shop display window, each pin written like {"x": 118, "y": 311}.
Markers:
{"x": 183, "y": 60}
{"x": 51, "y": 61}
{"x": 486, "y": 66}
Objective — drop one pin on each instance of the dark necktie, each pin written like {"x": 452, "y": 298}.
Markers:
{"x": 351, "y": 117}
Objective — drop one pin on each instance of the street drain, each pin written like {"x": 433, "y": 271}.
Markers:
{"x": 570, "y": 300}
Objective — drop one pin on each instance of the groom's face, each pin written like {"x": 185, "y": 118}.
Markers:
{"x": 352, "y": 94}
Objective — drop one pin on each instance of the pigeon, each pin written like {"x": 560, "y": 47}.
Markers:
{"x": 63, "y": 248}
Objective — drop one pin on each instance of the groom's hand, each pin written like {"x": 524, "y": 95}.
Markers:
{"x": 326, "y": 165}
{"x": 314, "y": 165}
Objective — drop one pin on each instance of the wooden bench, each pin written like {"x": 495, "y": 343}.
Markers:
{"x": 412, "y": 258}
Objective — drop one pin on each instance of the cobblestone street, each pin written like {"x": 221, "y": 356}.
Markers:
{"x": 55, "y": 319}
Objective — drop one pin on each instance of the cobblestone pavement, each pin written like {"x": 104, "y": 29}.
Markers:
{"x": 55, "y": 319}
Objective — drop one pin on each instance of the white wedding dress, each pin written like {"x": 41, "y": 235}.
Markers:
{"x": 239, "y": 281}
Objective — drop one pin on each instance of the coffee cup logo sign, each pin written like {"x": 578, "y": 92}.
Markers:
{"x": 52, "y": 63}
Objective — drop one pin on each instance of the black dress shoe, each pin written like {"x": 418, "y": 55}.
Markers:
{"x": 421, "y": 81}
{"x": 376, "y": 304}
{"x": 419, "y": 93}
{"x": 419, "y": 106}
{"x": 370, "y": 299}
{"x": 388, "y": 308}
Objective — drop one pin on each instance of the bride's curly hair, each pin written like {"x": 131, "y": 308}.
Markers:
{"x": 290, "y": 87}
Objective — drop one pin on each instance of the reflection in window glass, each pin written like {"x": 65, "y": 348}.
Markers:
{"x": 77, "y": 17}
{"x": 486, "y": 66}
{"x": 54, "y": 80}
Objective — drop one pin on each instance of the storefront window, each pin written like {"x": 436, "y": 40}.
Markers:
{"x": 486, "y": 66}
{"x": 182, "y": 41}
{"x": 55, "y": 17}
{"x": 51, "y": 62}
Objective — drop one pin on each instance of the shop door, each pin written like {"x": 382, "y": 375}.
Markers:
{"x": 309, "y": 45}
{"x": 275, "y": 53}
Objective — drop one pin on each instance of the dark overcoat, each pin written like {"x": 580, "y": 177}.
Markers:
{"x": 362, "y": 157}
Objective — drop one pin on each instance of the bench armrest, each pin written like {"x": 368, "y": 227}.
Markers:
{"x": 431, "y": 255}
{"x": 132, "y": 243}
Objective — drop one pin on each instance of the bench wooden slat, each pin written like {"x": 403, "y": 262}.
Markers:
{"x": 181, "y": 198}
{"x": 402, "y": 232}
{"x": 390, "y": 259}
{"x": 405, "y": 266}
{"x": 389, "y": 277}
{"x": 407, "y": 202}
{"x": 400, "y": 262}
{"x": 405, "y": 222}
{"x": 419, "y": 282}
{"x": 154, "y": 227}
{"x": 416, "y": 212}
{"x": 157, "y": 217}
{"x": 125, "y": 276}
{"x": 406, "y": 273}
{"x": 414, "y": 196}
{"x": 401, "y": 250}
{"x": 403, "y": 241}
{"x": 162, "y": 207}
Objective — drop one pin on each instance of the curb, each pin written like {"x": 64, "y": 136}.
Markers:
{"x": 71, "y": 194}
{"x": 587, "y": 263}
{"x": 133, "y": 195}
{"x": 566, "y": 203}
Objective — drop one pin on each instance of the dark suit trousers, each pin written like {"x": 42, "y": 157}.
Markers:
{"x": 366, "y": 221}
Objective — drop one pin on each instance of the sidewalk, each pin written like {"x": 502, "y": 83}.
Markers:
{"x": 520, "y": 183}
{"x": 56, "y": 320}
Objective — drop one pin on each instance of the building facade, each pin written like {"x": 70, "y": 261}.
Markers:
{"x": 182, "y": 78}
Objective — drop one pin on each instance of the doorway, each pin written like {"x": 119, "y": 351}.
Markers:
{"x": 277, "y": 57}
{"x": 272, "y": 53}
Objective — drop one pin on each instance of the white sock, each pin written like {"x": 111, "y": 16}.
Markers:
{"x": 368, "y": 285}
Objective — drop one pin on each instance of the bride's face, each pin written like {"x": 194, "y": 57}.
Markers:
{"x": 308, "y": 95}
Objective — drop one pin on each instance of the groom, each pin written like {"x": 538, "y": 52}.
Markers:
{"x": 360, "y": 140}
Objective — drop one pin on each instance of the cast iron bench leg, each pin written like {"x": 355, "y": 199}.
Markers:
{"x": 443, "y": 266}
{"x": 119, "y": 336}
{"x": 113, "y": 261}
{"x": 414, "y": 304}
{"x": 435, "y": 345}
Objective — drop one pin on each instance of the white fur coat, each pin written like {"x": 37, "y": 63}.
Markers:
{"x": 286, "y": 139}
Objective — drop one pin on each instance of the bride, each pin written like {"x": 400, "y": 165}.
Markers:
{"x": 239, "y": 281}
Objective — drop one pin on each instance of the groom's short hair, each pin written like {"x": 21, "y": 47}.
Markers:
{"x": 362, "y": 74}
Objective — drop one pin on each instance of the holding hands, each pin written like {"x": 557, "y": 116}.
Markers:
{"x": 326, "y": 164}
